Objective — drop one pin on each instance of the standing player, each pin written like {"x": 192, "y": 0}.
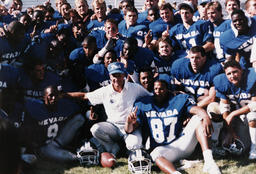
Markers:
{"x": 190, "y": 33}
{"x": 214, "y": 13}
{"x": 142, "y": 17}
{"x": 236, "y": 90}
{"x": 195, "y": 75}
{"x": 239, "y": 39}
{"x": 130, "y": 28}
{"x": 250, "y": 7}
{"x": 230, "y": 6}
{"x": 163, "y": 115}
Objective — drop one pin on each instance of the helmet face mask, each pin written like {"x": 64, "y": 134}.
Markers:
{"x": 88, "y": 155}
{"x": 139, "y": 162}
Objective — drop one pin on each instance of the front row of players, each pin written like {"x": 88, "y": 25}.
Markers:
{"x": 161, "y": 116}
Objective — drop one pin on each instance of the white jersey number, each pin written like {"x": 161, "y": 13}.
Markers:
{"x": 52, "y": 130}
{"x": 158, "y": 129}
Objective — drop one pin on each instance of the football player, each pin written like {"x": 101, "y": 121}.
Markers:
{"x": 50, "y": 125}
{"x": 195, "y": 75}
{"x": 162, "y": 115}
{"x": 250, "y": 7}
{"x": 130, "y": 28}
{"x": 190, "y": 33}
{"x": 239, "y": 39}
{"x": 236, "y": 90}
{"x": 214, "y": 13}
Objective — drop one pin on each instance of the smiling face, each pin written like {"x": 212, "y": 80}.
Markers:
{"x": 111, "y": 30}
{"x": 164, "y": 49}
{"x": 231, "y": 5}
{"x": 240, "y": 22}
{"x": 166, "y": 15}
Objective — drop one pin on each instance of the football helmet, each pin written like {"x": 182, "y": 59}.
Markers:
{"x": 236, "y": 148}
{"x": 88, "y": 154}
{"x": 139, "y": 162}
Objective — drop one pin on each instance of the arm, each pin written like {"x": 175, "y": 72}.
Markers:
{"x": 131, "y": 122}
{"x": 224, "y": 108}
{"x": 206, "y": 100}
{"x": 208, "y": 46}
{"x": 207, "y": 125}
{"x": 79, "y": 95}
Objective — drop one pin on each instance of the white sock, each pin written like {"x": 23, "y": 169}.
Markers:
{"x": 217, "y": 128}
{"x": 252, "y": 131}
{"x": 207, "y": 154}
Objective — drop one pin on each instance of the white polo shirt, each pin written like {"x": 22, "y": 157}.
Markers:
{"x": 117, "y": 105}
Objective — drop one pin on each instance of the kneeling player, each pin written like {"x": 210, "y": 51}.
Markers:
{"x": 163, "y": 115}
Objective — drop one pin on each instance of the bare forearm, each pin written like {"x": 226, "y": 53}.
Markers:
{"x": 79, "y": 95}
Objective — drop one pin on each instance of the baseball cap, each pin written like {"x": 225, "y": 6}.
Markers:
{"x": 116, "y": 67}
{"x": 203, "y": 1}
{"x": 186, "y": 3}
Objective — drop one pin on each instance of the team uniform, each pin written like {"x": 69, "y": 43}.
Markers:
{"x": 12, "y": 53}
{"x": 41, "y": 126}
{"x": 225, "y": 25}
{"x": 197, "y": 34}
{"x": 9, "y": 78}
{"x": 137, "y": 31}
{"x": 35, "y": 90}
{"x": 238, "y": 97}
{"x": 164, "y": 126}
{"x": 195, "y": 83}
{"x": 101, "y": 40}
{"x": 95, "y": 25}
{"x": 233, "y": 43}
{"x": 159, "y": 26}
{"x": 97, "y": 76}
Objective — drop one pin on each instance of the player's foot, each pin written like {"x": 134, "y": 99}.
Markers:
{"x": 211, "y": 168}
{"x": 29, "y": 158}
{"x": 216, "y": 149}
{"x": 252, "y": 154}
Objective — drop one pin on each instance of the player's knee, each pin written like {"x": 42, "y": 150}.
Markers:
{"x": 133, "y": 142}
{"x": 214, "y": 113}
{"x": 251, "y": 117}
{"x": 95, "y": 130}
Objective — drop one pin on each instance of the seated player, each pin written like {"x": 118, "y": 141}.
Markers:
{"x": 50, "y": 125}
{"x": 236, "y": 90}
{"x": 195, "y": 75}
{"x": 162, "y": 115}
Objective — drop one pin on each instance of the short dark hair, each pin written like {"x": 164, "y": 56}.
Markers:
{"x": 131, "y": 9}
{"x": 163, "y": 82}
{"x": 166, "y": 6}
{"x": 232, "y": 63}
{"x": 146, "y": 69}
{"x": 90, "y": 40}
{"x": 10, "y": 151}
{"x": 196, "y": 49}
{"x": 238, "y": 11}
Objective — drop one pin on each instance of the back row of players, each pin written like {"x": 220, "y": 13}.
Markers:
{"x": 78, "y": 50}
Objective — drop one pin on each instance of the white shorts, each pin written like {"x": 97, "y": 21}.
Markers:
{"x": 183, "y": 146}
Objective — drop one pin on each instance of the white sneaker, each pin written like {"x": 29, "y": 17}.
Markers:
{"x": 211, "y": 168}
{"x": 252, "y": 155}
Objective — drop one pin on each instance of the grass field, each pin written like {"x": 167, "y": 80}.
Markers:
{"x": 229, "y": 165}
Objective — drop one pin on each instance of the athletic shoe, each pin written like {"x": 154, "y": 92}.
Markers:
{"x": 252, "y": 154}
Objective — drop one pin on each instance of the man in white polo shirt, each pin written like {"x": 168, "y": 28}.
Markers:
{"x": 118, "y": 99}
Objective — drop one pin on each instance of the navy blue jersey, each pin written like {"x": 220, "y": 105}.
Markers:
{"x": 164, "y": 123}
{"x": 142, "y": 17}
{"x": 239, "y": 96}
{"x": 162, "y": 65}
{"x": 224, "y": 26}
{"x": 12, "y": 53}
{"x": 101, "y": 40}
{"x": 137, "y": 31}
{"x": 195, "y": 83}
{"x": 159, "y": 26}
{"x": 97, "y": 76}
{"x": 95, "y": 25}
{"x": 34, "y": 89}
{"x": 242, "y": 44}
{"x": 198, "y": 33}
{"x": 42, "y": 124}
{"x": 9, "y": 78}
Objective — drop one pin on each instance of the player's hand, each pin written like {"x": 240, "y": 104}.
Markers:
{"x": 132, "y": 117}
{"x": 166, "y": 32}
{"x": 93, "y": 115}
{"x": 148, "y": 38}
{"x": 207, "y": 126}
{"x": 229, "y": 118}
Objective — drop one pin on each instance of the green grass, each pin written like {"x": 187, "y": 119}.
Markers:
{"x": 229, "y": 165}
